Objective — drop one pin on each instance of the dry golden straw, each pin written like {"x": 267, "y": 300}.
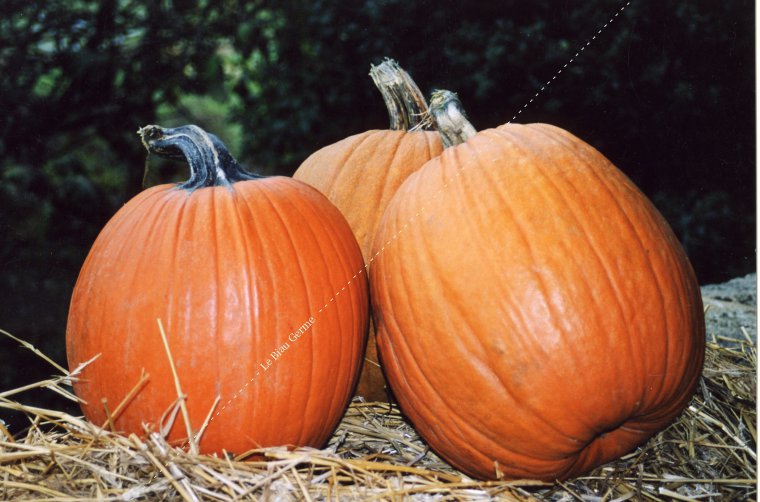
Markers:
{"x": 707, "y": 454}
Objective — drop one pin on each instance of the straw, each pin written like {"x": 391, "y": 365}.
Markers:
{"x": 375, "y": 454}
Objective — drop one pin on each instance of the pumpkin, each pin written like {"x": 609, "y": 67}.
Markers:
{"x": 360, "y": 174}
{"x": 537, "y": 317}
{"x": 260, "y": 287}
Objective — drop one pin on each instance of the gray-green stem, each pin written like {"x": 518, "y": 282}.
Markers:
{"x": 450, "y": 118}
{"x": 211, "y": 164}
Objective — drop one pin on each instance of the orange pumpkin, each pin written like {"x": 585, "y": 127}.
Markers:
{"x": 360, "y": 174}
{"x": 535, "y": 313}
{"x": 260, "y": 286}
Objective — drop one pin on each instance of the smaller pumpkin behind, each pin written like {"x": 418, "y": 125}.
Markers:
{"x": 360, "y": 174}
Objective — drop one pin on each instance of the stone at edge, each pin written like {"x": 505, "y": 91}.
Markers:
{"x": 731, "y": 306}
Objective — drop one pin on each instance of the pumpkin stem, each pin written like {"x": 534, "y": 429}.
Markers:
{"x": 407, "y": 107}
{"x": 211, "y": 164}
{"x": 449, "y": 115}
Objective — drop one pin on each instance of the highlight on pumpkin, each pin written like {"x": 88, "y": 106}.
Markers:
{"x": 501, "y": 357}
{"x": 260, "y": 289}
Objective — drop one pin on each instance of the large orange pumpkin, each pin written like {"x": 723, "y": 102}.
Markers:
{"x": 260, "y": 286}
{"x": 360, "y": 174}
{"x": 535, "y": 314}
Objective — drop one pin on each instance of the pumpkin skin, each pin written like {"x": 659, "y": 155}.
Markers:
{"x": 261, "y": 289}
{"x": 360, "y": 174}
{"x": 536, "y": 316}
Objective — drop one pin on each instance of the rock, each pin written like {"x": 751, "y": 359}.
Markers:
{"x": 731, "y": 306}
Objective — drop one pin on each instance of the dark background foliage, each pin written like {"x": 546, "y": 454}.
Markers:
{"x": 666, "y": 92}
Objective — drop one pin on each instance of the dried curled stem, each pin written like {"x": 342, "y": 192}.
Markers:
{"x": 407, "y": 107}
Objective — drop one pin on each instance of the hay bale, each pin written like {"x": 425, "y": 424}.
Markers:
{"x": 709, "y": 453}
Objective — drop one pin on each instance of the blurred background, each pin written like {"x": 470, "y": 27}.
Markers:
{"x": 666, "y": 92}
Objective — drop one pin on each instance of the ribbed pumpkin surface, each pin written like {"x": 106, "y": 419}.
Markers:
{"x": 360, "y": 174}
{"x": 231, "y": 272}
{"x": 535, "y": 314}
